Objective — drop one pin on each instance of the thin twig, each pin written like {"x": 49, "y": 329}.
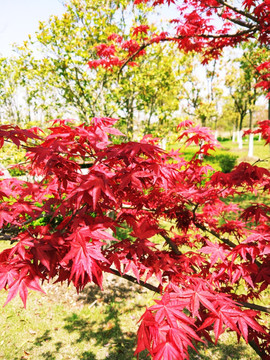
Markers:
{"x": 239, "y": 11}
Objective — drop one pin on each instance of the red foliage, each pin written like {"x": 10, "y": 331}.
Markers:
{"x": 61, "y": 228}
{"x": 65, "y": 224}
{"x": 264, "y": 70}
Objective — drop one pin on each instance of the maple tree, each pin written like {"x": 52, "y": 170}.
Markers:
{"x": 183, "y": 227}
{"x": 60, "y": 226}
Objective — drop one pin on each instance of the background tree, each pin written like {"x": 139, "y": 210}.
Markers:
{"x": 239, "y": 89}
{"x": 153, "y": 86}
{"x": 11, "y": 99}
{"x": 55, "y": 71}
{"x": 241, "y": 81}
{"x": 64, "y": 47}
{"x": 200, "y": 93}
{"x": 252, "y": 57}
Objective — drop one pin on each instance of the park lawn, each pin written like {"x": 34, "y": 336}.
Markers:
{"x": 90, "y": 326}
{"x": 66, "y": 325}
{"x": 93, "y": 325}
{"x": 261, "y": 152}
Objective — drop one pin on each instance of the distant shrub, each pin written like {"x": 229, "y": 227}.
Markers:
{"x": 222, "y": 139}
{"x": 222, "y": 160}
{"x": 227, "y": 162}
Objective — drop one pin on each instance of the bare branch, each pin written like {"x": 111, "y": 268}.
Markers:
{"x": 242, "y": 23}
{"x": 172, "y": 245}
{"x": 212, "y": 232}
{"x": 255, "y": 307}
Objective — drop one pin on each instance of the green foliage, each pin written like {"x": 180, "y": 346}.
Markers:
{"x": 226, "y": 162}
{"x": 220, "y": 138}
{"x": 53, "y": 68}
{"x": 16, "y": 171}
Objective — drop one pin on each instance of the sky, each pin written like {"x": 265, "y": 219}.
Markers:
{"x": 18, "y": 18}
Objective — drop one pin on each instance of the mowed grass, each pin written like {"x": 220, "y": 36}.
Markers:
{"x": 67, "y": 325}
{"x": 90, "y": 326}
{"x": 261, "y": 153}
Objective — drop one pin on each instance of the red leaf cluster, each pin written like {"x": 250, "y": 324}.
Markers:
{"x": 66, "y": 226}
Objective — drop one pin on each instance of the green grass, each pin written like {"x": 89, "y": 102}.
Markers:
{"x": 64, "y": 325}
{"x": 261, "y": 152}
{"x": 90, "y": 326}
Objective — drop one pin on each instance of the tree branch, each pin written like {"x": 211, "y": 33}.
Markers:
{"x": 225, "y": 241}
{"x": 238, "y": 11}
{"x": 134, "y": 281}
{"x": 242, "y": 23}
{"x": 250, "y": 31}
{"x": 9, "y": 233}
{"x": 172, "y": 245}
{"x": 256, "y": 348}
{"x": 212, "y": 232}
{"x": 157, "y": 290}
{"x": 255, "y": 307}
{"x": 4, "y": 237}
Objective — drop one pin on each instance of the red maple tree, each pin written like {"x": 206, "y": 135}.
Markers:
{"x": 63, "y": 224}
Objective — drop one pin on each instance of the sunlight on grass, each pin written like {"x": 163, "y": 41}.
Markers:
{"x": 64, "y": 325}
{"x": 93, "y": 325}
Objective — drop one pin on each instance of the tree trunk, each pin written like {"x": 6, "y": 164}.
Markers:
{"x": 203, "y": 120}
{"x": 269, "y": 108}
{"x": 240, "y": 132}
{"x": 251, "y": 136}
{"x": 250, "y": 145}
{"x": 163, "y": 143}
{"x": 240, "y": 139}
{"x": 234, "y": 133}
{"x": 130, "y": 119}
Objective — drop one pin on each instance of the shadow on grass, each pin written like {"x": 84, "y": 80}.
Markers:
{"x": 222, "y": 351}
{"x": 107, "y": 332}
{"x": 107, "y": 335}
{"x": 40, "y": 341}
{"x": 114, "y": 288}
{"x": 116, "y": 344}
{"x": 43, "y": 338}
{"x": 102, "y": 335}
